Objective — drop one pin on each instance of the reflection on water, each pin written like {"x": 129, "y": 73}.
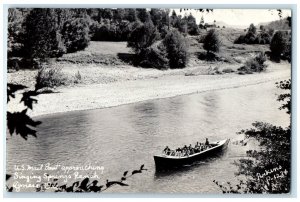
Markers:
{"x": 122, "y": 138}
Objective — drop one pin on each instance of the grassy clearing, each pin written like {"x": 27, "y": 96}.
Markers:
{"x": 105, "y": 53}
{"x": 102, "y": 48}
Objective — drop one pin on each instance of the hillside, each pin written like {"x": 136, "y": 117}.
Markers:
{"x": 281, "y": 24}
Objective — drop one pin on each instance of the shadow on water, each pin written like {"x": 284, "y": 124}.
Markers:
{"x": 189, "y": 167}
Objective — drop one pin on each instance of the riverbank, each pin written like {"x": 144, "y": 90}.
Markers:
{"x": 93, "y": 96}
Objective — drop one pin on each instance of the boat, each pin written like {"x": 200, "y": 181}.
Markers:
{"x": 164, "y": 161}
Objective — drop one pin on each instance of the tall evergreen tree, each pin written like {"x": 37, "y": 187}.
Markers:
{"x": 252, "y": 28}
{"x": 212, "y": 42}
{"x": 143, "y": 14}
{"x": 130, "y": 14}
{"x": 192, "y": 25}
{"x": 75, "y": 33}
{"x": 278, "y": 44}
{"x": 43, "y": 39}
{"x": 142, "y": 37}
{"x": 156, "y": 16}
{"x": 119, "y": 14}
{"x": 165, "y": 18}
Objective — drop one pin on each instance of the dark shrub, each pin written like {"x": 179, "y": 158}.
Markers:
{"x": 193, "y": 29}
{"x": 177, "y": 49}
{"x": 155, "y": 57}
{"x": 261, "y": 58}
{"x": 16, "y": 50}
{"x": 211, "y": 41}
{"x": 250, "y": 38}
{"x": 252, "y": 28}
{"x": 102, "y": 34}
{"x": 240, "y": 39}
{"x": 49, "y": 77}
{"x": 271, "y": 32}
{"x": 287, "y": 53}
{"x": 142, "y": 37}
{"x": 227, "y": 70}
{"x": 17, "y": 63}
{"x": 263, "y": 38}
{"x": 13, "y": 63}
{"x": 255, "y": 64}
{"x": 278, "y": 44}
{"x": 75, "y": 33}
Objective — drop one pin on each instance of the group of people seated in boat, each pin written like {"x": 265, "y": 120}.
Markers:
{"x": 187, "y": 150}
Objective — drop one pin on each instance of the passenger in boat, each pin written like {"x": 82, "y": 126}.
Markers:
{"x": 167, "y": 150}
{"x": 201, "y": 147}
{"x": 184, "y": 149}
{"x": 197, "y": 147}
{"x": 187, "y": 153}
{"x": 178, "y": 151}
{"x": 192, "y": 151}
{"x": 181, "y": 153}
{"x": 206, "y": 142}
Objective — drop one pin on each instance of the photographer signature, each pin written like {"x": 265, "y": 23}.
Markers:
{"x": 277, "y": 172}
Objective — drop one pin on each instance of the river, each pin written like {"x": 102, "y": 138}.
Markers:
{"x": 125, "y": 137}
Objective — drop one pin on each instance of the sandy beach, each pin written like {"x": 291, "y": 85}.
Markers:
{"x": 93, "y": 96}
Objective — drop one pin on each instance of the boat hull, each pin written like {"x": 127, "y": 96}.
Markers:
{"x": 166, "y": 163}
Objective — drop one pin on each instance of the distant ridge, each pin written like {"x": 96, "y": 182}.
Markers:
{"x": 281, "y": 24}
{"x": 221, "y": 24}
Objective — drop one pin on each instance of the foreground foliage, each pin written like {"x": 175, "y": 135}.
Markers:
{"x": 267, "y": 170}
{"x": 20, "y": 123}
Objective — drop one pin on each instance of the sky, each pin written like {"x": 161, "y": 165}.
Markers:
{"x": 237, "y": 17}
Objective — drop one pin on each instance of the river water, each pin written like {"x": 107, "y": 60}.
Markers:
{"x": 125, "y": 137}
